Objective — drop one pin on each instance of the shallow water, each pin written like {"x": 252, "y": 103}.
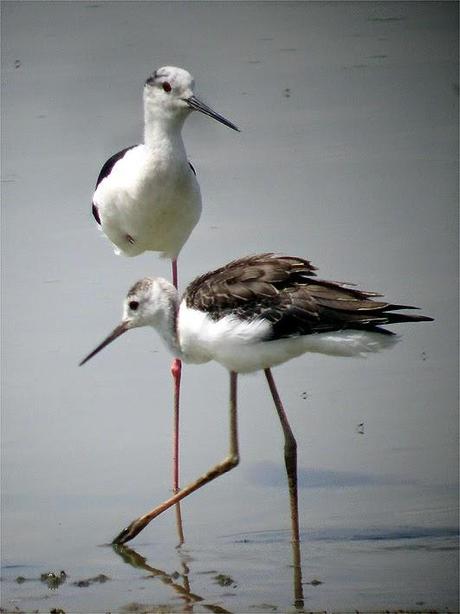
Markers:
{"x": 410, "y": 569}
{"x": 348, "y": 156}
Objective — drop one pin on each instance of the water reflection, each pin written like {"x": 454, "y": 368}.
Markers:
{"x": 179, "y": 583}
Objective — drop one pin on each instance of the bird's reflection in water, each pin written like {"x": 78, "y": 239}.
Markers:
{"x": 179, "y": 583}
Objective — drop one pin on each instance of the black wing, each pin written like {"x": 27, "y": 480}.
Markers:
{"x": 107, "y": 167}
{"x": 285, "y": 291}
{"x": 105, "y": 172}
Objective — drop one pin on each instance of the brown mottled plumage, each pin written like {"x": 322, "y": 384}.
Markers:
{"x": 285, "y": 291}
{"x": 251, "y": 315}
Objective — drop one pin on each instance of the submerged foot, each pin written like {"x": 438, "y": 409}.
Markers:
{"x": 129, "y": 532}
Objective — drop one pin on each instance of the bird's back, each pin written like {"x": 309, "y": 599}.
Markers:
{"x": 275, "y": 307}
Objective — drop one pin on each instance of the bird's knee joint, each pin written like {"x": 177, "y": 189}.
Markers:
{"x": 231, "y": 461}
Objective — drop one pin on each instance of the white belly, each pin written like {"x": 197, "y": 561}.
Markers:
{"x": 144, "y": 206}
{"x": 243, "y": 347}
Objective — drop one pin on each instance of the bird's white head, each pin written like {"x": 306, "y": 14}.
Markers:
{"x": 150, "y": 302}
{"x": 169, "y": 95}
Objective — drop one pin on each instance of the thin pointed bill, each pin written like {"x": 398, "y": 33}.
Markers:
{"x": 197, "y": 105}
{"x": 119, "y": 330}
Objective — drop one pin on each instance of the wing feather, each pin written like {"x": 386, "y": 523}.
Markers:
{"x": 285, "y": 291}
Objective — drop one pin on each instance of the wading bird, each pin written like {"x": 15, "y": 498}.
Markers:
{"x": 147, "y": 196}
{"x": 250, "y": 315}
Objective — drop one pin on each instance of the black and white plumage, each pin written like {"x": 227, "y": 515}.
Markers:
{"x": 260, "y": 311}
{"x": 147, "y": 197}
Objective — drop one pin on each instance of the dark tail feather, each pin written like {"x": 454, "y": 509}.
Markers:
{"x": 394, "y": 318}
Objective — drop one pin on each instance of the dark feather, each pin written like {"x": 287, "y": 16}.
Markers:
{"x": 96, "y": 215}
{"x": 107, "y": 167}
{"x": 285, "y": 291}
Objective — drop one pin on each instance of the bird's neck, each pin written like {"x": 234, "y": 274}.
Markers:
{"x": 166, "y": 320}
{"x": 164, "y": 132}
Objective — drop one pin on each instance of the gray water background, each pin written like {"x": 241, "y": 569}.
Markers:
{"x": 348, "y": 156}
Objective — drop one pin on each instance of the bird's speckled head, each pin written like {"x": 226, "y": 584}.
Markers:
{"x": 152, "y": 301}
{"x": 148, "y": 301}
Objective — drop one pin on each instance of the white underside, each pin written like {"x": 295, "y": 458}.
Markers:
{"x": 240, "y": 346}
{"x": 154, "y": 201}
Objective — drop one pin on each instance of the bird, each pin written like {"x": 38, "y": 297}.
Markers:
{"x": 147, "y": 197}
{"x": 250, "y": 315}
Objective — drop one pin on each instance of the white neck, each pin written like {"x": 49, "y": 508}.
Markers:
{"x": 162, "y": 130}
{"x": 165, "y": 318}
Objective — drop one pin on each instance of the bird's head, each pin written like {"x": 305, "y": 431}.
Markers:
{"x": 169, "y": 92}
{"x": 150, "y": 302}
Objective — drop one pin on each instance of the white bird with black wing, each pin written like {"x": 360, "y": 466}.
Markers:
{"x": 147, "y": 196}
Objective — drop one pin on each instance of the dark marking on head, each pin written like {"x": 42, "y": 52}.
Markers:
{"x": 192, "y": 167}
{"x": 141, "y": 286}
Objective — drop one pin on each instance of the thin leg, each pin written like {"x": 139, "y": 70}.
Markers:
{"x": 228, "y": 463}
{"x": 290, "y": 459}
{"x": 176, "y": 370}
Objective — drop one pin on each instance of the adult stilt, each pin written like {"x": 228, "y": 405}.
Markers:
{"x": 176, "y": 371}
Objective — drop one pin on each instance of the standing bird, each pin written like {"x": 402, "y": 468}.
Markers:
{"x": 250, "y": 315}
{"x": 147, "y": 197}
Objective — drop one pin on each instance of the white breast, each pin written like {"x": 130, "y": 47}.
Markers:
{"x": 155, "y": 202}
{"x": 226, "y": 340}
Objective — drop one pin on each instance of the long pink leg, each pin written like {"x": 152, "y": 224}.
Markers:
{"x": 230, "y": 461}
{"x": 290, "y": 460}
{"x": 176, "y": 370}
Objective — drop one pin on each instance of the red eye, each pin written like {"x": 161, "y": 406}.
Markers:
{"x": 167, "y": 87}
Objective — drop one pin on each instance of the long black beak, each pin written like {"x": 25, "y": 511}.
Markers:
{"x": 196, "y": 104}
{"x": 119, "y": 330}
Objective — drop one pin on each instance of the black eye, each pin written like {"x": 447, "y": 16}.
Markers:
{"x": 133, "y": 305}
{"x": 167, "y": 86}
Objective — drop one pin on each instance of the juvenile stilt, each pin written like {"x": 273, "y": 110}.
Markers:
{"x": 290, "y": 459}
{"x": 229, "y": 462}
{"x": 250, "y": 315}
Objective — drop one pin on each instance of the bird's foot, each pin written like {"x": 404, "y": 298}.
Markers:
{"x": 129, "y": 532}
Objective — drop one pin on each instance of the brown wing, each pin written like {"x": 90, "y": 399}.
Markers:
{"x": 244, "y": 281}
{"x": 285, "y": 291}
